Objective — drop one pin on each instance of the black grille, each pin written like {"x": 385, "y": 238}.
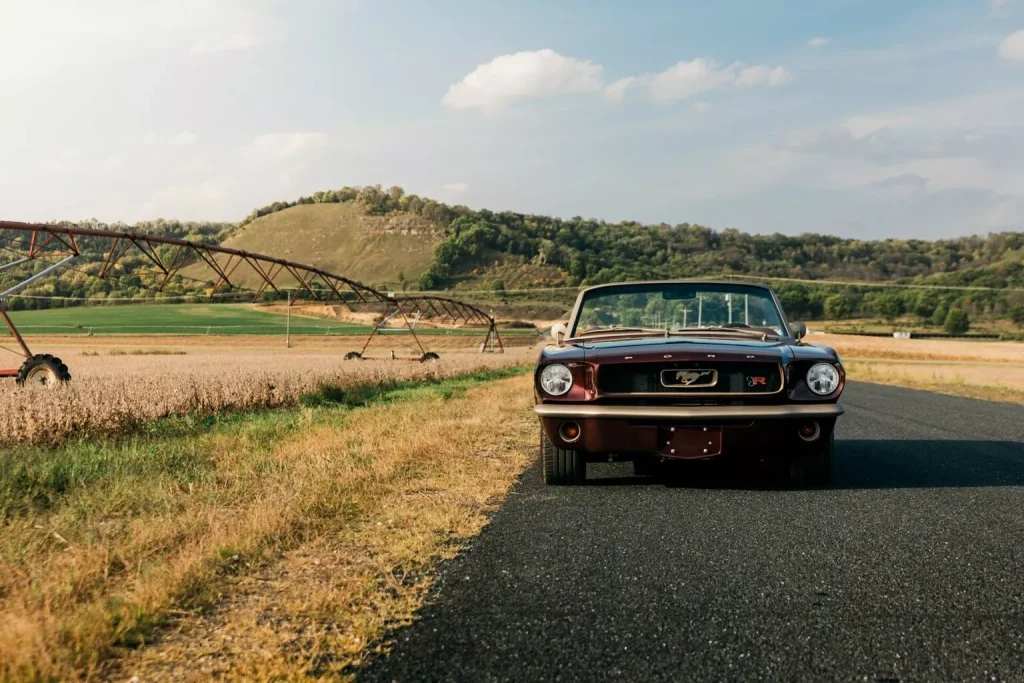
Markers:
{"x": 733, "y": 378}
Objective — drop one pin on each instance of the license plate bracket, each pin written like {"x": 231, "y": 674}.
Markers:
{"x": 689, "y": 442}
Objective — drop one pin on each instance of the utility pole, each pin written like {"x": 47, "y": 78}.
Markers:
{"x": 288, "y": 325}
{"x": 700, "y": 311}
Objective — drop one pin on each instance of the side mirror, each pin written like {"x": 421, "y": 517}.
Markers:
{"x": 799, "y": 330}
{"x": 558, "y": 332}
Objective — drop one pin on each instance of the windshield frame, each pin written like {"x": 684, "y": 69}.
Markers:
{"x": 653, "y": 285}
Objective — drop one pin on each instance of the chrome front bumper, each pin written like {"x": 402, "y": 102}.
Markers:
{"x": 580, "y": 411}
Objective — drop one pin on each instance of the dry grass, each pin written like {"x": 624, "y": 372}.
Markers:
{"x": 988, "y": 381}
{"x": 110, "y": 395}
{"x": 859, "y": 348}
{"x": 992, "y": 371}
{"x": 361, "y": 503}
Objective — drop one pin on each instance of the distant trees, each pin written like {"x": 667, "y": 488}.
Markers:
{"x": 585, "y": 251}
{"x": 925, "y": 303}
{"x": 838, "y": 307}
{"x": 889, "y": 306}
{"x": 957, "y": 321}
{"x": 1017, "y": 314}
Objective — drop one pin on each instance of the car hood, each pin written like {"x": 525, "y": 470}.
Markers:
{"x": 688, "y": 348}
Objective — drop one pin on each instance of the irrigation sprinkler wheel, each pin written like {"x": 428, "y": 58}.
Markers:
{"x": 353, "y": 355}
{"x": 429, "y": 356}
{"x": 43, "y": 371}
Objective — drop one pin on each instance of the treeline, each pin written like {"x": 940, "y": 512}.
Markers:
{"x": 592, "y": 252}
{"x": 587, "y": 251}
{"x": 949, "y": 309}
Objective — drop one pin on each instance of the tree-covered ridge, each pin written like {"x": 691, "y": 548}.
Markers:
{"x": 594, "y": 251}
{"x": 582, "y": 251}
{"x": 589, "y": 251}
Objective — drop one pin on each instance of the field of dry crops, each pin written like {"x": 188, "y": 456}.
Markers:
{"x": 120, "y": 384}
{"x": 986, "y": 370}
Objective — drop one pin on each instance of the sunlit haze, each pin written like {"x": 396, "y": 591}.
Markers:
{"x": 864, "y": 119}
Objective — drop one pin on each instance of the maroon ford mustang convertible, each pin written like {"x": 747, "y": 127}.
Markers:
{"x": 659, "y": 371}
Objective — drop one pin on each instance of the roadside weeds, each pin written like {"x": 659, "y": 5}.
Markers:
{"x": 279, "y": 546}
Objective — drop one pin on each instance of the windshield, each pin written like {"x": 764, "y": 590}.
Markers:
{"x": 676, "y": 307}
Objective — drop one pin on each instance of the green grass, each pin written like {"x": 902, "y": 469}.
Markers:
{"x": 194, "y": 319}
{"x": 171, "y": 319}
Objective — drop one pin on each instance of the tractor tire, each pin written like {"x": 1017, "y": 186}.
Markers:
{"x": 811, "y": 467}
{"x": 353, "y": 355}
{"x": 429, "y": 356}
{"x": 561, "y": 467}
{"x": 43, "y": 371}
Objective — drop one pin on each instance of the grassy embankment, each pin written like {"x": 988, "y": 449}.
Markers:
{"x": 284, "y": 541}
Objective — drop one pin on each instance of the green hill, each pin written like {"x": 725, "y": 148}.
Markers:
{"x": 384, "y": 236}
{"x": 344, "y": 239}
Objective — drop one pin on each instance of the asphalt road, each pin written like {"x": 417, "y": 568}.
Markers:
{"x": 909, "y": 568}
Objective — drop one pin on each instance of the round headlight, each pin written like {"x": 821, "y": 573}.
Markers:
{"x": 556, "y": 379}
{"x": 823, "y": 378}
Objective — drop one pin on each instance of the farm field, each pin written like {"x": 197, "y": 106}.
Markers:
{"x": 184, "y": 319}
{"x": 974, "y": 369}
{"x": 204, "y": 320}
{"x": 118, "y": 386}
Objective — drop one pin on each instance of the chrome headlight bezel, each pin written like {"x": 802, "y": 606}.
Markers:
{"x": 823, "y": 376}
{"x": 556, "y": 379}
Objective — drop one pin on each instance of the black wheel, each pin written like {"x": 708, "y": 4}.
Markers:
{"x": 43, "y": 371}
{"x": 811, "y": 466}
{"x": 429, "y": 356}
{"x": 353, "y": 355}
{"x": 561, "y": 467}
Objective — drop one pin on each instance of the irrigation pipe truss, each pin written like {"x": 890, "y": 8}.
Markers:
{"x": 58, "y": 246}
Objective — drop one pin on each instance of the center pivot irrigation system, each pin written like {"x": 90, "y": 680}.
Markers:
{"x": 55, "y": 247}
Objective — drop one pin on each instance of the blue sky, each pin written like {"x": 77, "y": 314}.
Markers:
{"x": 863, "y": 119}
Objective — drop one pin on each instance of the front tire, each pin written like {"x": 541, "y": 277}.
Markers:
{"x": 811, "y": 466}
{"x": 561, "y": 466}
{"x": 43, "y": 371}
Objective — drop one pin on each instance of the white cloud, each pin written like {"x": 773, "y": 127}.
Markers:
{"x": 700, "y": 107}
{"x": 523, "y": 75}
{"x": 817, "y": 41}
{"x": 1013, "y": 47}
{"x": 687, "y": 79}
{"x": 771, "y": 76}
{"x": 242, "y": 40}
{"x": 456, "y": 187}
{"x": 184, "y": 139}
{"x": 543, "y": 73}
{"x": 1000, "y": 3}
{"x": 282, "y": 146}
{"x": 617, "y": 90}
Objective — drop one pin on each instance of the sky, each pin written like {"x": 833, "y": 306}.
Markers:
{"x": 866, "y": 119}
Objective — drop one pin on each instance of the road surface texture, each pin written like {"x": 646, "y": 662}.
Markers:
{"x": 909, "y": 568}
